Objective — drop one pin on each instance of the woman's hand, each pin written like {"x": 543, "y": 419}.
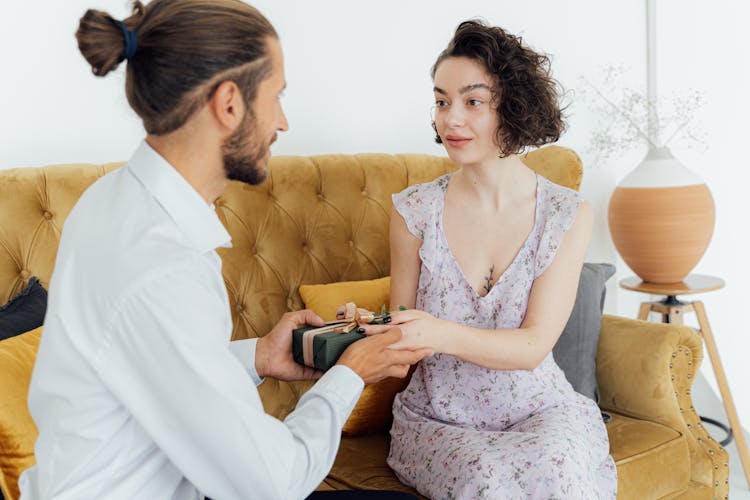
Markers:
{"x": 418, "y": 330}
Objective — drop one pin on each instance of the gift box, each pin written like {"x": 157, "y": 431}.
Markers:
{"x": 318, "y": 349}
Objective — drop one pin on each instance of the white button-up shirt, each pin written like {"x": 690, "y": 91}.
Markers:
{"x": 137, "y": 391}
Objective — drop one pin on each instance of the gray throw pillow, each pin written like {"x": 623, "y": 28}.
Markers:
{"x": 575, "y": 351}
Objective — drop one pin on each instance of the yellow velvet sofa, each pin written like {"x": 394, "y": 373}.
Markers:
{"x": 324, "y": 219}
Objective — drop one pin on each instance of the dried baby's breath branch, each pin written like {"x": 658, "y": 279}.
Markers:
{"x": 624, "y": 116}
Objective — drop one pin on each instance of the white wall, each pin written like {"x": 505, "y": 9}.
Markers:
{"x": 704, "y": 45}
{"x": 358, "y": 81}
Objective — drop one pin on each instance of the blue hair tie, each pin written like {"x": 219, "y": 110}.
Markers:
{"x": 131, "y": 40}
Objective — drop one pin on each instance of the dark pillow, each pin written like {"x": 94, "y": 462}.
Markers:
{"x": 575, "y": 351}
{"x": 24, "y": 312}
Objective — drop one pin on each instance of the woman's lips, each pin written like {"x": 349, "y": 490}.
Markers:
{"x": 457, "y": 141}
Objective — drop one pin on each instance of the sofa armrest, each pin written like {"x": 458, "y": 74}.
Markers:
{"x": 645, "y": 370}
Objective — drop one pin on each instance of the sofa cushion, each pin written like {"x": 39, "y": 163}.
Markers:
{"x": 25, "y": 311}
{"x": 373, "y": 410}
{"x": 652, "y": 461}
{"x": 575, "y": 351}
{"x": 17, "y": 430}
{"x": 360, "y": 464}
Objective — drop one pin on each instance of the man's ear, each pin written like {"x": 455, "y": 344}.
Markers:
{"x": 227, "y": 105}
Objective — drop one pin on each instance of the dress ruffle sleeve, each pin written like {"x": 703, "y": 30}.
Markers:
{"x": 559, "y": 210}
{"x": 414, "y": 208}
{"x": 418, "y": 206}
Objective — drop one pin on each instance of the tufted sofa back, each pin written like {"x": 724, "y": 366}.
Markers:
{"x": 317, "y": 219}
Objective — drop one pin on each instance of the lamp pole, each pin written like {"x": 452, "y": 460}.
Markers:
{"x": 651, "y": 82}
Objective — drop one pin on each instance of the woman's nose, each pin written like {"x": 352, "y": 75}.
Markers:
{"x": 455, "y": 115}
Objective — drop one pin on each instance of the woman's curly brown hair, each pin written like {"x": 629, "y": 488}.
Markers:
{"x": 527, "y": 96}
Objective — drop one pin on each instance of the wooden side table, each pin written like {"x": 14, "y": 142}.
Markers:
{"x": 672, "y": 310}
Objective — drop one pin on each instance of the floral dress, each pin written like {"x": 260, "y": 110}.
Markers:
{"x": 464, "y": 431}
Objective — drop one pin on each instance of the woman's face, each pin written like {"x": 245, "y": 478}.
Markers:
{"x": 465, "y": 113}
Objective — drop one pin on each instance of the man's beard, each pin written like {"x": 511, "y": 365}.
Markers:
{"x": 244, "y": 152}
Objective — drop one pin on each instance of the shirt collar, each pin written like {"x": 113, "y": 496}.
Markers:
{"x": 190, "y": 212}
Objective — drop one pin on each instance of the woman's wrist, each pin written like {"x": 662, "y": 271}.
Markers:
{"x": 440, "y": 337}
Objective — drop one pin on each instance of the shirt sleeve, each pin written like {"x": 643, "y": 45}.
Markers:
{"x": 167, "y": 363}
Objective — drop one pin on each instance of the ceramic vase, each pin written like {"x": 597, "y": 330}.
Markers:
{"x": 661, "y": 217}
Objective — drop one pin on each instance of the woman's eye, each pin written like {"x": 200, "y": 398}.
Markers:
{"x": 440, "y": 103}
{"x": 475, "y": 103}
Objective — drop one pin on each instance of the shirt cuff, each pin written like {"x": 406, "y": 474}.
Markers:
{"x": 344, "y": 384}
{"x": 244, "y": 351}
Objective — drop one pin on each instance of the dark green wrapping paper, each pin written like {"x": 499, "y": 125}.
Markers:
{"x": 327, "y": 347}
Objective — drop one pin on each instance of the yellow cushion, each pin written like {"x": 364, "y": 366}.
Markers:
{"x": 325, "y": 299}
{"x": 373, "y": 411}
{"x": 17, "y": 430}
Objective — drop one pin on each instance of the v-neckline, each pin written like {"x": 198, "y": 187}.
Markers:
{"x": 513, "y": 262}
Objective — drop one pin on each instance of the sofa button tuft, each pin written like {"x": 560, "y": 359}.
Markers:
{"x": 25, "y": 274}
{"x": 47, "y": 214}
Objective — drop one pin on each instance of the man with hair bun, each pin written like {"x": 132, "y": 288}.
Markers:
{"x": 137, "y": 391}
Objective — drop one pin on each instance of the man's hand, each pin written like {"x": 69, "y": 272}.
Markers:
{"x": 373, "y": 359}
{"x": 273, "y": 353}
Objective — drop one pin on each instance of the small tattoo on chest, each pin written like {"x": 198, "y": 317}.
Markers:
{"x": 488, "y": 279}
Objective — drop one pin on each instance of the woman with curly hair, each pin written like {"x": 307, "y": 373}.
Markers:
{"x": 489, "y": 257}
